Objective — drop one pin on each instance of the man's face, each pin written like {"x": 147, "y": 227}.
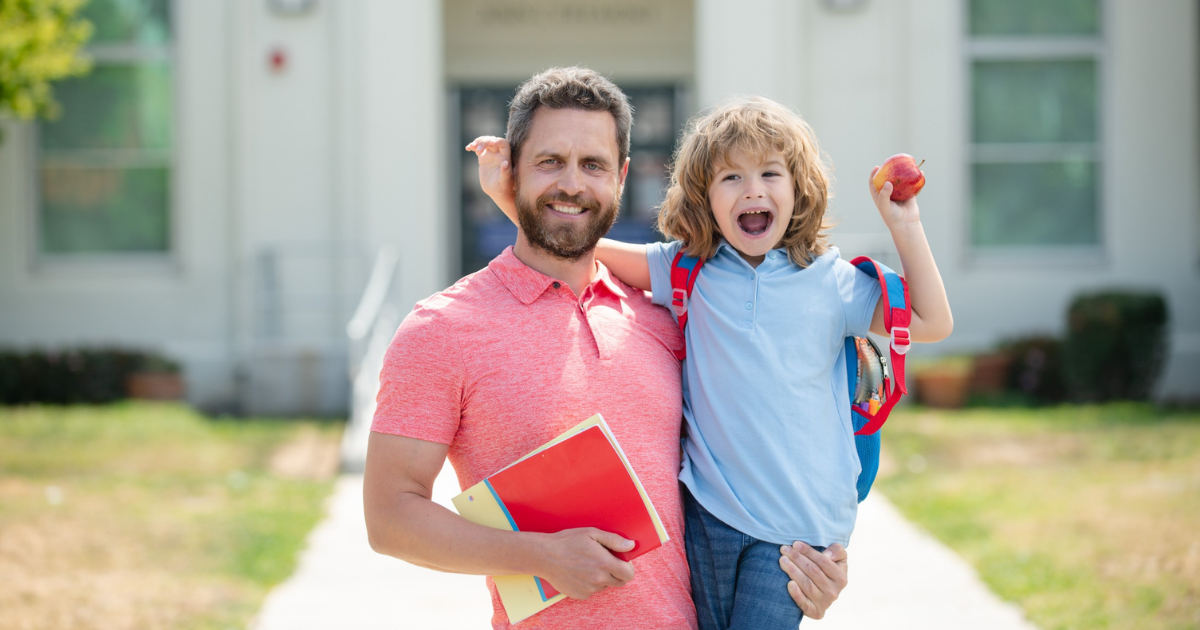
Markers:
{"x": 568, "y": 180}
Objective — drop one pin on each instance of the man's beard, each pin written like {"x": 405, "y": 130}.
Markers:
{"x": 566, "y": 240}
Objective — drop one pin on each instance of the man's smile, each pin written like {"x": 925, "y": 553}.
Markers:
{"x": 566, "y": 209}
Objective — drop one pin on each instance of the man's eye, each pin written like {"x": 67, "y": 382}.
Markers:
{"x": 592, "y": 166}
{"x": 549, "y": 161}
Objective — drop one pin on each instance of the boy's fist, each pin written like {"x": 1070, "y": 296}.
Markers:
{"x": 495, "y": 171}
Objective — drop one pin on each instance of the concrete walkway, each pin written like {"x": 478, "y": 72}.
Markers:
{"x": 900, "y": 578}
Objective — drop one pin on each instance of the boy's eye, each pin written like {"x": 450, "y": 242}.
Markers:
{"x": 731, "y": 177}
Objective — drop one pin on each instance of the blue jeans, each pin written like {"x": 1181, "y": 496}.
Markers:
{"x": 737, "y": 583}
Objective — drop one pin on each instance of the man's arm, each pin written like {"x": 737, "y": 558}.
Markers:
{"x": 404, "y": 522}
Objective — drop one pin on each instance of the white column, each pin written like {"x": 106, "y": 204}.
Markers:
{"x": 403, "y": 135}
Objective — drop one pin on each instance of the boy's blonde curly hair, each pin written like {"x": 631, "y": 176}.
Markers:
{"x": 754, "y": 126}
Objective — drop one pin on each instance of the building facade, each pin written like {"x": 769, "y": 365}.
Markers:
{"x": 220, "y": 184}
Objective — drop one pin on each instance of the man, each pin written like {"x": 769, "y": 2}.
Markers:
{"x": 511, "y": 356}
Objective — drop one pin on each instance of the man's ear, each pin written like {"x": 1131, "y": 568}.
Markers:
{"x": 624, "y": 171}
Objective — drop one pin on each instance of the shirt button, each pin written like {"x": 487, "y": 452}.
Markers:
{"x": 749, "y": 305}
{"x": 557, "y": 285}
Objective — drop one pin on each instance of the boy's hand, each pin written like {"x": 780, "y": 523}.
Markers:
{"x": 495, "y": 172}
{"x": 895, "y": 214}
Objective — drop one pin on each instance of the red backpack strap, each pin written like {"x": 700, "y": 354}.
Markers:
{"x": 897, "y": 316}
{"x": 684, "y": 271}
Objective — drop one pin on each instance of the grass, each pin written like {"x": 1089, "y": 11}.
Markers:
{"x": 1087, "y": 517}
{"x": 143, "y": 515}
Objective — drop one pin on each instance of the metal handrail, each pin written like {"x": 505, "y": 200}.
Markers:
{"x": 373, "y": 296}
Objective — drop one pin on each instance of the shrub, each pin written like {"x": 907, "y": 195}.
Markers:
{"x": 1115, "y": 346}
{"x": 84, "y": 375}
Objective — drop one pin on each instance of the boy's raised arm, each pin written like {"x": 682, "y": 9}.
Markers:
{"x": 931, "y": 317}
{"x": 625, "y": 260}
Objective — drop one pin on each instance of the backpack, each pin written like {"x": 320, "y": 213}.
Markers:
{"x": 874, "y": 390}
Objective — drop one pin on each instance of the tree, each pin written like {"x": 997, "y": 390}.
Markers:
{"x": 40, "y": 42}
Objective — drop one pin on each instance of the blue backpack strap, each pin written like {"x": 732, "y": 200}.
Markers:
{"x": 684, "y": 271}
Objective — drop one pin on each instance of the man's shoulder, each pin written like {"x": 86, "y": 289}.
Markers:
{"x": 462, "y": 301}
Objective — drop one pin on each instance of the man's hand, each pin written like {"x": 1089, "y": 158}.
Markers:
{"x": 495, "y": 172}
{"x": 818, "y": 577}
{"x": 579, "y": 564}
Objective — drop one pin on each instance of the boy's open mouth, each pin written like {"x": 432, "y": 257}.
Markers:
{"x": 755, "y": 222}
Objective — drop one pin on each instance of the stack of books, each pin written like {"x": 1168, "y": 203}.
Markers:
{"x": 579, "y": 479}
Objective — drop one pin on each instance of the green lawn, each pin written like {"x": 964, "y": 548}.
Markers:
{"x": 1088, "y": 517}
{"x": 143, "y": 515}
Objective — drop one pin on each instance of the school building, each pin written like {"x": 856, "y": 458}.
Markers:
{"x": 237, "y": 180}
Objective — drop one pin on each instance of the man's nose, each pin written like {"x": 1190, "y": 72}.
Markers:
{"x": 571, "y": 181}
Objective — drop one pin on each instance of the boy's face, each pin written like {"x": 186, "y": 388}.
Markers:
{"x": 568, "y": 180}
{"x": 752, "y": 198}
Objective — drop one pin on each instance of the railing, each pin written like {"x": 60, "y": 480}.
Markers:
{"x": 370, "y": 331}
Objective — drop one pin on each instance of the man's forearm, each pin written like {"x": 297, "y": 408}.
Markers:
{"x": 417, "y": 530}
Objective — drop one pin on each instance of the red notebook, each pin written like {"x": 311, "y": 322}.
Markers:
{"x": 579, "y": 482}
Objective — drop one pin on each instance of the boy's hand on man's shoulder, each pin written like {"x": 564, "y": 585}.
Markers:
{"x": 495, "y": 170}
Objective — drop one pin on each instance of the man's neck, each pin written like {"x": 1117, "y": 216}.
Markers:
{"x": 576, "y": 273}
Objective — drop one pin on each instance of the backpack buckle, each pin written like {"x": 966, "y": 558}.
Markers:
{"x": 900, "y": 340}
{"x": 679, "y": 300}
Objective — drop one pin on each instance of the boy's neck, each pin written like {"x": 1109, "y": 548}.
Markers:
{"x": 577, "y": 274}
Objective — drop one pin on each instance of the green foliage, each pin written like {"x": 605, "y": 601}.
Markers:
{"x": 1115, "y": 346}
{"x": 40, "y": 42}
{"x": 81, "y": 375}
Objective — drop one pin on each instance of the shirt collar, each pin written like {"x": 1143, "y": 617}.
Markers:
{"x": 527, "y": 284}
{"x": 780, "y": 254}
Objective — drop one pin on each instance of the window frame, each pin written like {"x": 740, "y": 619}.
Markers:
{"x": 116, "y": 262}
{"x": 1093, "y": 48}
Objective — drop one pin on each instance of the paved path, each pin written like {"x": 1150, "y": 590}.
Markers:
{"x": 900, "y": 578}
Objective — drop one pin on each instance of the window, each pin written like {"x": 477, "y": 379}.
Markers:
{"x": 1035, "y": 143}
{"x": 656, "y": 123}
{"x": 105, "y": 167}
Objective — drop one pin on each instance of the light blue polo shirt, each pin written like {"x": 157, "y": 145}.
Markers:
{"x": 770, "y": 445}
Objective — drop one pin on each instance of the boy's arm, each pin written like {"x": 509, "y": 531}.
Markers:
{"x": 626, "y": 261}
{"x": 495, "y": 172}
{"x": 931, "y": 317}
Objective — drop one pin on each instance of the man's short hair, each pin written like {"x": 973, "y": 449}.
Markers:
{"x": 563, "y": 88}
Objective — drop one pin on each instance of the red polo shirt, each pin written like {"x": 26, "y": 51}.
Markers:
{"x": 508, "y": 358}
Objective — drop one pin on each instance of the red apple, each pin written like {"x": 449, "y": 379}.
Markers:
{"x": 905, "y": 175}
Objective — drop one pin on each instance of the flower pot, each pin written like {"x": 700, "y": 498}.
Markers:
{"x": 945, "y": 390}
{"x": 155, "y": 386}
{"x": 989, "y": 373}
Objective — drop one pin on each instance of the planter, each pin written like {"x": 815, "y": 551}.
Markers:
{"x": 155, "y": 386}
{"x": 989, "y": 373}
{"x": 944, "y": 390}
